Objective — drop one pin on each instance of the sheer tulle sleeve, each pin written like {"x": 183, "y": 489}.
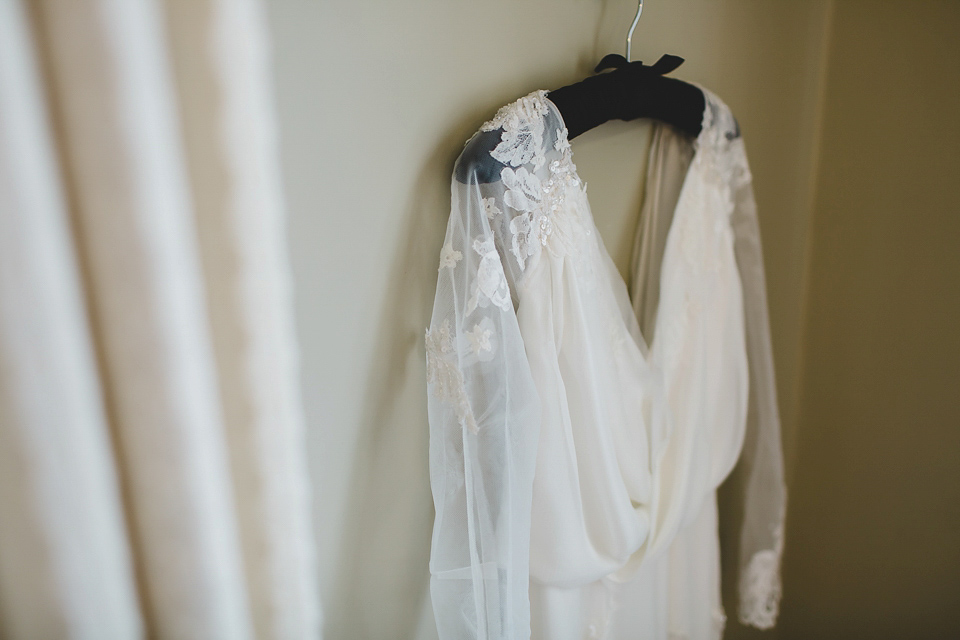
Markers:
{"x": 484, "y": 422}
{"x": 761, "y": 543}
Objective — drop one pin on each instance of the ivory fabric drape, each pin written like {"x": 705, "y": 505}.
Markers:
{"x": 761, "y": 477}
{"x": 152, "y": 475}
{"x": 575, "y": 459}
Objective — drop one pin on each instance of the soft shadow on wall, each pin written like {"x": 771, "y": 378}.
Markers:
{"x": 390, "y": 500}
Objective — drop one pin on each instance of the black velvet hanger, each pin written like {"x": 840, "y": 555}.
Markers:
{"x": 632, "y": 90}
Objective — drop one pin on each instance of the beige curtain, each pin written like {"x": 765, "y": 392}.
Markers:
{"x": 152, "y": 475}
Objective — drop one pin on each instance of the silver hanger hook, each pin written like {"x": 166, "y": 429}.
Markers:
{"x": 632, "y": 27}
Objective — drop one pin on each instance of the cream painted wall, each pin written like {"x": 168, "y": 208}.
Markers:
{"x": 376, "y": 100}
{"x": 873, "y": 535}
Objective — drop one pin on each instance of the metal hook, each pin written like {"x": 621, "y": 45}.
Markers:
{"x": 632, "y": 27}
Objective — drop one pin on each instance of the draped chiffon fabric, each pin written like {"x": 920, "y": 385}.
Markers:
{"x": 575, "y": 451}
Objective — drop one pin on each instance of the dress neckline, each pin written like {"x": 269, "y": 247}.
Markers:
{"x": 647, "y": 343}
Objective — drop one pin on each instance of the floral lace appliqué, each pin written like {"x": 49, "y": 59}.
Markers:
{"x": 524, "y": 194}
{"x": 449, "y": 257}
{"x": 445, "y": 376}
{"x": 523, "y": 127}
{"x": 491, "y": 284}
{"x": 720, "y": 153}
{"x": 491, "y": 209}
{"x": 479, "y": 339}
{"x": 562, "y": 144}
{"x": 537, "y": 202}
{"x": 760, "y": 587}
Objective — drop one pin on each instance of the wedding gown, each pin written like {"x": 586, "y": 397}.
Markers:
{"x": 573, "y": 460}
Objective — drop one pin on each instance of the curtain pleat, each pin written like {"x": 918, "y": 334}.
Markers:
{"x": 166, "y": 149}
{"x": 65, "y": 565}
{"x": 221, "y": 65}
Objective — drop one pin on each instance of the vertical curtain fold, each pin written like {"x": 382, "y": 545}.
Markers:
{"x": 65, "y": 565}
{"x": 168, "y": 153}
{"x": 221, "y": 65}
{"x": 125, "y": 163}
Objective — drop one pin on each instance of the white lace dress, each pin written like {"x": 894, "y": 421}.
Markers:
{"x": 574, "y": 465}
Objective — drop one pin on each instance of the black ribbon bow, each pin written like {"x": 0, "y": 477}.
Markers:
{"x": 663, "y": 66}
